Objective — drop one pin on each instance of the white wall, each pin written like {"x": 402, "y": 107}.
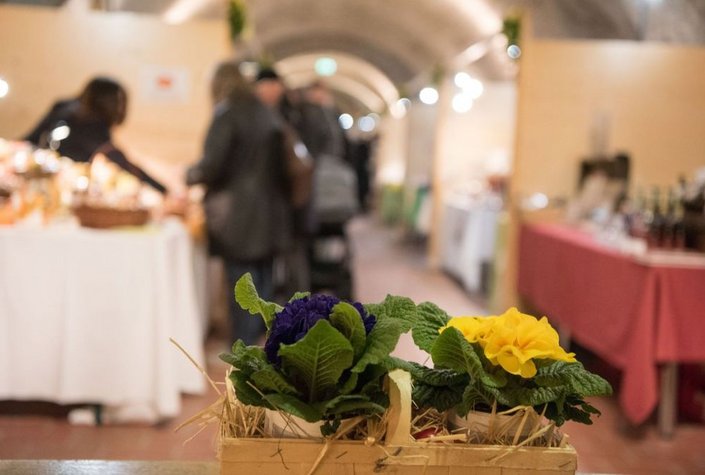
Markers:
{"x": 392, "y": 150}
{"x": 420, "y": 145}
{"x": 479, "y": 142}
{"x": 652, "y": 93}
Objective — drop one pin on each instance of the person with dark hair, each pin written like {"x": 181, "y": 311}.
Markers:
{"x": 246, "y": 203}
{"x": 318, "y": 124}
{"x": 80, "y": 128}
{"x": 270, "y": 89}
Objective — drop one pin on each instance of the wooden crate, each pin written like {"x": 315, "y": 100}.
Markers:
{"x": 298, "y": 456}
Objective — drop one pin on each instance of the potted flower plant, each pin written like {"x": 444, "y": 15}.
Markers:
{"x": 324, "y": 359}
{"x": 500, "y": 363}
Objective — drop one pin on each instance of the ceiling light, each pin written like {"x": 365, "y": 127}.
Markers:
{"x": 462, "y": 79}
{"x": 249, "y": 69}
{"x": 4, "y": 88}
{"x": 513, "y": 51}
{"x": 428, "y": 95}
{"x": 399, "y": 108}
{"x": 474, "y": 88}
{"x": 182, "y": 10}
{"x": 462, "y": 102}
{"x": 346, "y": 121}
{"x": 366, "y": 123}
{"x": 326, "y": 66}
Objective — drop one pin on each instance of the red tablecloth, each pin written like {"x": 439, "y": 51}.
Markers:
{"x": 632, "y": 315}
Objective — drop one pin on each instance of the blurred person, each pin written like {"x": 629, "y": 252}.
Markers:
{"x": 80, "y": 128}
{"x": 270, "y": 89}
{"x": 334, "y": 199}
{"x": 318, "y": 123}
{"x": 359, "y": 154}
{"x": 335, "y": 183}
{"x": 246, "y": 202}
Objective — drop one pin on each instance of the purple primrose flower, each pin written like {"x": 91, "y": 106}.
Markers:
{"x": 299, "y": 316}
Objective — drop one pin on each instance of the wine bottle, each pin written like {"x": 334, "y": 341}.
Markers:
{"x": 638, "y": 224}
{"x": 656, "y": 220}
{"x": 669, "y": 221}
{"x": 679, "y": 227}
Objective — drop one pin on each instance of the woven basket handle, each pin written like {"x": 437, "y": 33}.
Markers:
{"x": 399, "y": 412}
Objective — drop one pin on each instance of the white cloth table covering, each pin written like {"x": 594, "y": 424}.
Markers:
{"x": 469, "y": 235}
{"x": 86, "y": 316}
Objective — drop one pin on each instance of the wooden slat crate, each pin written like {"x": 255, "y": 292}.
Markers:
{"x": 298, "y": 457}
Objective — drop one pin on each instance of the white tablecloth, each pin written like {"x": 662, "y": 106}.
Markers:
{"x": 86, "y": 316}
{"x": 469, "y": 235}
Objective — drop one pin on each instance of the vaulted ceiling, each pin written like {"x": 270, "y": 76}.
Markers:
{"x": 400, "y": 42}
{"x": 400, "y": 37}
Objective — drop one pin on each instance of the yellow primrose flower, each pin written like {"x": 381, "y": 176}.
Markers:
{"x": 474, "y": 329}
{"x": 516, "y": 339}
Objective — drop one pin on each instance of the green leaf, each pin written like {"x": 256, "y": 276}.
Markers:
{"x": 246, "y": 295}
{"x": 347, "y": 320}
{"x": 430, "y": 376}
{"x": 316, "y": 362}
{"x": 350, "y": 384}
{"x": 330, "y": 427}
{"x": 294, "y": 406}
{"x": 401, "y": 309}
{"x": 575, "y": 409}
{"x": 586, "y": 384}
{"x": 451, "y": 350}
{"x": 269, "y": 380}
{"x": 345, "y": 404}
{"x": 299, "y": 295}
{"x": 229, "y": 358}
{"x": 246, "y": 393}
{"x": 380, "y": 343}
{"x": 358, "y": 407}
{"x": 470, "y": 399}
{"x": 575, "y": 375}
{"x": 245, "y": 358}
{"x": 372, "y": 379}
{"x": 328, "y": 405}
{"x": 430, "y": 318}
{"x": 535, "y": 396}
{"x": 440, "y": 398}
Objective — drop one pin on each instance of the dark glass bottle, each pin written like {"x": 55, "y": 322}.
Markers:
{"x": 656, "y": 224}
{"x": 638, "y": 225}
{"x": 679, "y": 227}
{"x": 669, "y": 221}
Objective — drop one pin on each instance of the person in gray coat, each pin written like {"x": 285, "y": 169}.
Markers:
{"x": 246, "y": 203}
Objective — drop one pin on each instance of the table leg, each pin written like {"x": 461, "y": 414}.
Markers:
{"x": 667, "y": 410}
{"x": 98, "y": 413}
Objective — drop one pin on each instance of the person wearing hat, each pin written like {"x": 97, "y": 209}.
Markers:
{"x": 247, "y": 208}
{"x": 271, "y": 91}
{"x": 269, "y": 87}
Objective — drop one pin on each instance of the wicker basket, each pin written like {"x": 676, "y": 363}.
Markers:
{"x": 102, "y": 217}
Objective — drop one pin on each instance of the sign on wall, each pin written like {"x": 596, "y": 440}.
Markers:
{"x": 165, "y": 84}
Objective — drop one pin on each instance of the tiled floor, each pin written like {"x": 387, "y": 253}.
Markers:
{"x": 383, "y": 264}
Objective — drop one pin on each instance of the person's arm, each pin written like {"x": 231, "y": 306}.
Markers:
{"x": 119, "y": 158}
{"x": 216, "y": 149}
